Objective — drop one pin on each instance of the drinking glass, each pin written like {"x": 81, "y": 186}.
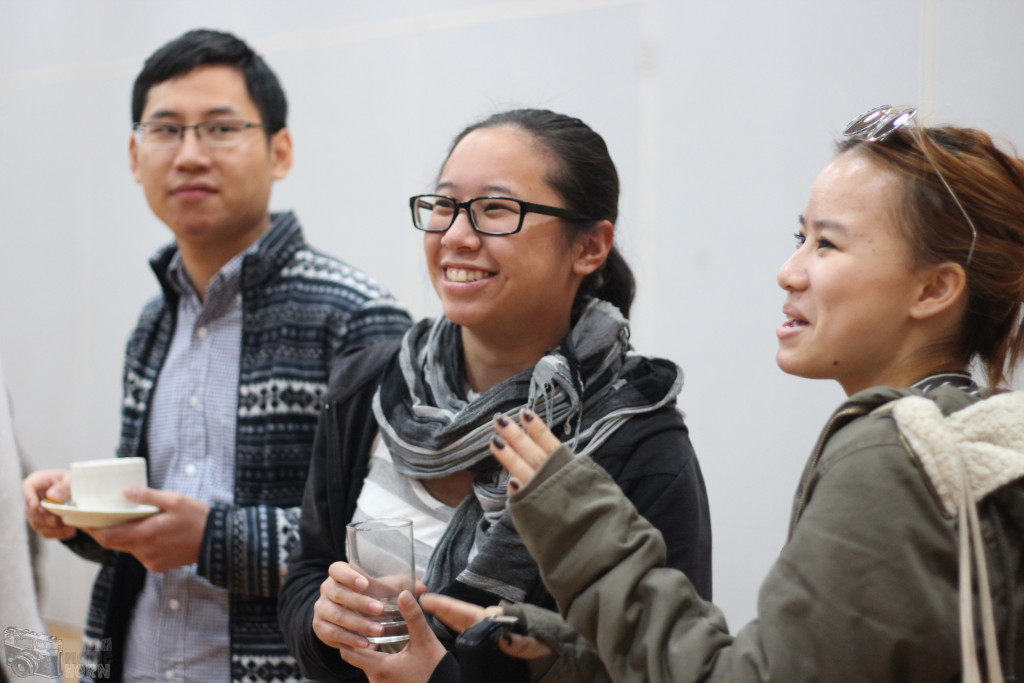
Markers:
{"x": 382, "y": 551}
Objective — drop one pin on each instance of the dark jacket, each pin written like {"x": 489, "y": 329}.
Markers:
{"x": 650, "y": 457}
{"x": 300, "y": 310}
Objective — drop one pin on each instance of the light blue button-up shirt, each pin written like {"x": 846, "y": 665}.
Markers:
{"x": 180, "y": 626}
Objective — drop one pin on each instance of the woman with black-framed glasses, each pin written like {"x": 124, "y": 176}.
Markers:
{"x": 518, "y": 235}
{"x": 905, "y": 557}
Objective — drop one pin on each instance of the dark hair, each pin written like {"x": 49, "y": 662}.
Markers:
{"x": 585, "y": 176}
{"x": 990, "y": 185}
{"x": 202, "y": 47}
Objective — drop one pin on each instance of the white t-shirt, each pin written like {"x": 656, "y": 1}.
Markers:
{"x": 389, "y": 494}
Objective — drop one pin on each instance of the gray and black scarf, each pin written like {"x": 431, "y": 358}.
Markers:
{"x": 585, "y": 390}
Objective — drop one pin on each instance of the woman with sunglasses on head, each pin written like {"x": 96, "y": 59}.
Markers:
{"x": 518, "y": 238}
{"x": 905, "y": 557}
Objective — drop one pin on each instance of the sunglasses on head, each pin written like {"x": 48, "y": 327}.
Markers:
{"x": 876, "y": 124}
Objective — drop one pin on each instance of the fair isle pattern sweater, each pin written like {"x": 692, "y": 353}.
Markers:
{"x": 301, "y": 309}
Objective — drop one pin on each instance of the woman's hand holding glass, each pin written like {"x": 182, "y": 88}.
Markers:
{"x": 522, "y": 450}
{"x": 414, "y": 663}
{"x": 341, "y": 617}
{"x": 339, "y": 621}
{"x": 341, "y": 614}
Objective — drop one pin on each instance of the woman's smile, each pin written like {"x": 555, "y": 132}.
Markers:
{"x": 466, "y": 274}
{"x": 503, "y": 286}
{"x": 850, "y": 284}
{"x": 793, "y": 325}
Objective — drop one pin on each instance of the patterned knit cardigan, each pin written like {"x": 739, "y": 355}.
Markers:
{"x": 300, "y": 310}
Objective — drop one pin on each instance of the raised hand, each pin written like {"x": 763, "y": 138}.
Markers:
{"x": 522, "y": 450}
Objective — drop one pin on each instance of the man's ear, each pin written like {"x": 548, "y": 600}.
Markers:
{"x": 943, "y": 287}
{"x": 133, "y": 157}
{"x": 280, "y": 154}
{"x": 591, "y": 249}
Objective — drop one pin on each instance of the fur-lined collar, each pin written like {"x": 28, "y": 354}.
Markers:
{"x": 989, "y": 436}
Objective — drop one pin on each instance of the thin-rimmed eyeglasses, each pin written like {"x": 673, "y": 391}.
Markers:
{"x": 876, "y": 124}
{"x": 214, "y": 133}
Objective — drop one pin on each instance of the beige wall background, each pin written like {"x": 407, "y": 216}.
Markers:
{"x": 719, "y": 113}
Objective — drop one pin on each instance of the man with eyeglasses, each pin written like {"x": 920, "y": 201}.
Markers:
{"x": 223, "y": 381}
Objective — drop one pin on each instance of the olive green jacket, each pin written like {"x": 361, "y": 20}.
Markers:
{"x": 865, "y": 588}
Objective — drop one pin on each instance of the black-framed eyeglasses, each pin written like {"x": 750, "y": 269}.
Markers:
{"x": 487, "y": 215}
{"x": 876, "y": 124}
{"x": 215, "y": 133}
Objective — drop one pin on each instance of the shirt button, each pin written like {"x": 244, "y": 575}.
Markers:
{"x": 194, "y": 401}
{"x": 169, "y": 674}
{"x": 202, "y": 332}
{"x": 190, "y": 469}
{"x": 174, "y": 605}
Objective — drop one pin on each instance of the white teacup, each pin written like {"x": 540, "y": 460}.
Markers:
{"x": 97, "y": 484}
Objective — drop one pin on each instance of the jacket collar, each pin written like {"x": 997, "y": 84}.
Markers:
{"x": 987, "y": 437}
{"x": 275, "y": 249}
{"x": 948, "y": 396}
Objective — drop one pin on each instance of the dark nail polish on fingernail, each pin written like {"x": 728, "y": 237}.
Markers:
{"x": 501, "y": 420}
{"x": 528, "y": 414}
{"x": 513, "y": 484}
{"x": 498, "y": 442}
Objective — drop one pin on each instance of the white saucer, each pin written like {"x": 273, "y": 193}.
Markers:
{"x": 75, "y": 516}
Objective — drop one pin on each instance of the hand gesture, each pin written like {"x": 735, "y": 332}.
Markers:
{"x": 461, "y": 615}
{"x": 522, "y": 450}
